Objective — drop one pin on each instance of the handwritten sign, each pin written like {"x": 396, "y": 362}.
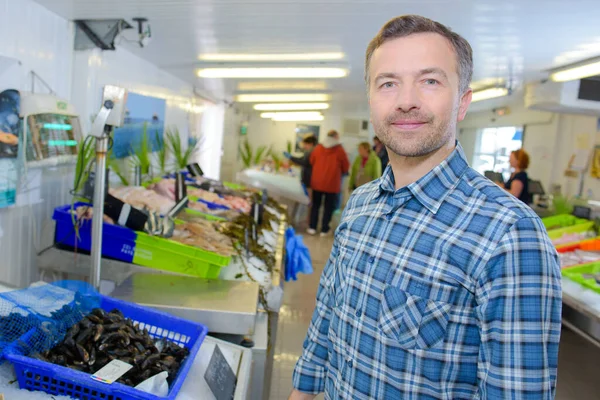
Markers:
{"x": 220, "y": 377}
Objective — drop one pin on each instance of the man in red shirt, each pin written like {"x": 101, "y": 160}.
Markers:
{"x": 329, "y": 162}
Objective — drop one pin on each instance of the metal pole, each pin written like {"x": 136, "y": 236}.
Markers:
{"x": 97, "y": 217}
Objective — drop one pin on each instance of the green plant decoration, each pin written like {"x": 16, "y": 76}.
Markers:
{"x": 245, "y": 151}
{"x": 276, "y": 160}
{"x": 140, "y": 157}
{"x": 181, "y": 153}
{"x": 290, "y": 146}
{"x": 260, "y": 154}
{"x": 85, "y": 156}
{"x": 161, "y": 156}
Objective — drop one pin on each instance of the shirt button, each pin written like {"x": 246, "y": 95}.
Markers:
{"x": 358, "y": 313}
{"x": 371, "y": 260}
{"x": 350, "y": 363}
{"x": 389, "y": 217}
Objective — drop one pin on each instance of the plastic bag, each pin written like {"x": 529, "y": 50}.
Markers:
{"x": 156, "y": 385}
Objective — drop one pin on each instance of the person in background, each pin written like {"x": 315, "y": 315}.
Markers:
{"x": 308, "y": 145}
{"x": 381, "y": 152}
{"x": 439, "y": 285}
{"x": 329, "y": 163}
{"x": 518, "y": 184}
{"x": 366, "y": 167}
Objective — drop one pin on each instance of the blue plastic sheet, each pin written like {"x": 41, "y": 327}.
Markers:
{"x": 297, "y": 258}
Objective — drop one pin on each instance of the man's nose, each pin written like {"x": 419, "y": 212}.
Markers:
{"x": 408, "y": 98}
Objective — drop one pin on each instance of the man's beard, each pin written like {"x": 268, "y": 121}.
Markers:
{"x": 432, "y": 136}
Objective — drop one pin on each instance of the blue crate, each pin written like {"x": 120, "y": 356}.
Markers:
{"x": 117, "y": 242}
{"x": 38, "y": 375}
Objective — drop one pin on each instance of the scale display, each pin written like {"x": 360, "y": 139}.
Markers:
{"x": 51, "y": 135}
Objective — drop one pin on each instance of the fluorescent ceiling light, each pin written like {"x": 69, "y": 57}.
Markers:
{"x": 287, "y": 72}
{"x": 298, "y": 118}
{"x": 282, "y": 85}
{"x": 286, "y": 115}
{"x": 489, "y": 94}
{"x": 272, "y": 57}
{"x": 578, "y": 71}
{"x": 291, "y": 106}
{"x": 293, "y": 116}
{"x": 267, "y": 98}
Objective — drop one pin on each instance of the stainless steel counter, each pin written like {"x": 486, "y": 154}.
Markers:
{"x": 223, "y": 306}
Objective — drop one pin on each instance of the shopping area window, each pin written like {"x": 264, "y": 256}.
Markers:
{"x": 493, "y": 148}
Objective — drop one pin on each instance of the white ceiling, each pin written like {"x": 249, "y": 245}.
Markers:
{"x": 510, "y": 38}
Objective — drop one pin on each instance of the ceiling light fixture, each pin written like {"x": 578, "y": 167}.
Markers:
{"x": 272, "y": 98}
{"x": 270, "y": 73}
{"x": 580, "y": 70}
{"x": 272, "y": 57}
{"x": 282, "y": 85}
{"x": 304, "y": 114}
{"x": 291, "y": 106}
{"x": 489, "y": 93}
{"x": 293, "y": 116}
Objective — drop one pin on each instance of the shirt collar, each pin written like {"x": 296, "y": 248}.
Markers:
{"x": 431, "y": 190}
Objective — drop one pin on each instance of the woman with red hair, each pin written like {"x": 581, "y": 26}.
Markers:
{"x": 518, "y": 184}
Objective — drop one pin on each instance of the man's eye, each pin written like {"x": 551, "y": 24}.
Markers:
{"x": 387, "y": 85}
{"x": 431, "y": 82}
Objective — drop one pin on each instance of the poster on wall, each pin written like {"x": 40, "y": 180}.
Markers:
{"x": 10, "y": 101}
{"x": 303, "y": 131}
{"x": 143, "y": 113}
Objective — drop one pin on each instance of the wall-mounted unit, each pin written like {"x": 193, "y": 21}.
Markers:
{"x": 356, "y": 127}
{"x": 573, "y": 97}
{"x": 51, "y": 130}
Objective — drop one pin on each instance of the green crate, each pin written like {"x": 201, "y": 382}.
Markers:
{"x": 579, "y": 228}
{"x": 234, "y": 186}
{"x": 576, "y": 274}
{"x": 168, "y": 255}
{"x": 567, "y": 224}
{"x": 562, "y": 221}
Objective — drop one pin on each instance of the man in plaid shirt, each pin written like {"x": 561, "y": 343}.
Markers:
{"x": 440, "y": 285}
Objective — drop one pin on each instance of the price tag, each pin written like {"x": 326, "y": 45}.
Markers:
{"x": 112, "y": 371}
{"x": 220, "y": 377}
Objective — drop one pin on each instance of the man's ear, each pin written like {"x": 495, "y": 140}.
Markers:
{"x": 465, "y": 101}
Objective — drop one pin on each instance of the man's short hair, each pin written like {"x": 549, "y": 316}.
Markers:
{"x": 407, "y": 25}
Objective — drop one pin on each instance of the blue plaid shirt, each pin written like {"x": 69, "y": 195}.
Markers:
{"x": 448, "y": 288}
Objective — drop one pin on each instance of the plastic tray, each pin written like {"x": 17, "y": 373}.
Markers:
{"x": 576, "y": 274}
{"x": 123, "y": 244}
{"x": 168, "y": 255}
{"x": 38, "y": 375}
{"x": 586, "y": 245}
{"x": 567, "y": 223}
{"x": 562, "y": 221}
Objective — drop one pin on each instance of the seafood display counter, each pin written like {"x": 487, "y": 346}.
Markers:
{"x": 238, "y": 359}
{"x": 581, "y": 310}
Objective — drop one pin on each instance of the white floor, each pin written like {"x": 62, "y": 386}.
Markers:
{"x": 579, "y": 362}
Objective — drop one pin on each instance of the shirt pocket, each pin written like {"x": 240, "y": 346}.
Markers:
{"x": 415, "y": 312}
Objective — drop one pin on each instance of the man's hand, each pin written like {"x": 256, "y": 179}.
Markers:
{"x": 298, "y": 395}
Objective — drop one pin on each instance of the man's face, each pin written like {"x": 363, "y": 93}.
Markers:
{"x": 307, "y": 146}
{"x": 414, "y": 94}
